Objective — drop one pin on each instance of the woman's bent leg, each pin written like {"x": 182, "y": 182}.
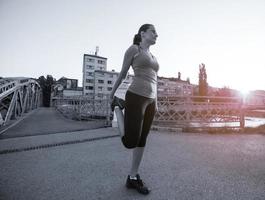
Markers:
{"x": 120, "y": 120}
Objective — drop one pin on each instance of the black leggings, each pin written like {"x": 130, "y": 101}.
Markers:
{"x": 138, "y": 118}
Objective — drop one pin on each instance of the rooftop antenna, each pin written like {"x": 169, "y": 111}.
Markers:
{"x": 97, "y": 49}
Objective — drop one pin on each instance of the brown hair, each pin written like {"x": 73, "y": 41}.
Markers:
{"x": 137, "y": 37}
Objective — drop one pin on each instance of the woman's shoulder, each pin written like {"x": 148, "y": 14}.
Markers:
{"x": 133, "y": 49}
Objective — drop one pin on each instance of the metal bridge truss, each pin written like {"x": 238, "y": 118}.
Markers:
{"x": 17, "y": 96}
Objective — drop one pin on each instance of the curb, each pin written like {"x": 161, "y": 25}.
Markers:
{"x": 44, "y": 146}
{"x": 167, "y": 129}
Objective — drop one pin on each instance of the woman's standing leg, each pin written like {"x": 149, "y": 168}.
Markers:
{"x": 136, "y": 160}
{"x": 134, "y": 180}
{"x": 149, "y": 113}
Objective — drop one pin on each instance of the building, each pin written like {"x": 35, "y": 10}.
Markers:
{"x": 256, "y": 97}
{"x": 91, "y": 63}
{"x": 73, "y": 92}
{"x": 97, "y": 81}
{"x": 173, "y": 87}
{"x": 104, "y": 82}
{"x": 67, "y": 87}
{"x": 68, "y": 83}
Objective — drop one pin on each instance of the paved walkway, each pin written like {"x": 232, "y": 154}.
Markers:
{"x": 47, "y": 121}
{"x": 92, "y": 164}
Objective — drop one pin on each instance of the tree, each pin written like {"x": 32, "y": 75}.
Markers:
{"x": 203, "y": 85}
{"x": 46, "y": 86}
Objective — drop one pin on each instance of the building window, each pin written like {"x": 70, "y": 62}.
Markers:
{"x": 109, "y": 82}
{"x": 100, "y": 73}
{"x": 89, "y": 87}
{"x": 100, "y": 81}
{"x": 100, "y": 95}
{"x": 109, "y": 88}
{"x": 90, "y": 67}
{"x": 101, "y": 62}
{"x": 89, "y": 80}
{"x": 100, "y": 88}
{"x": 89, "y": 73}
{"x": 90, "y": 60}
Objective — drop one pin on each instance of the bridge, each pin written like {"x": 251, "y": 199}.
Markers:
{"x": 17, "y": 96}
{"x": 20, "y": 95}
{"x": 45, "y": 155}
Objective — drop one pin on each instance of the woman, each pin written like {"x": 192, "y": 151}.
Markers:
{"x": 140, "y": 100}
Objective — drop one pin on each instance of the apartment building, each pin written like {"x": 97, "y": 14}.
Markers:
{"x": 104, "y": 82}
{"x": 173, "y": 87}
{"x": 97, "y": 81}
{"x": 91, "y": 63}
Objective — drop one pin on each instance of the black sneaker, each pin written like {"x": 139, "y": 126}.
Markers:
{"x": 117, "y": 102}
{"x": 137, "y": 184}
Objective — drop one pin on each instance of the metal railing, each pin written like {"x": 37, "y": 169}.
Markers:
{"x": 84, "y": 108}
{"x": 197, "y": 111}
{"x": 177, "y": 111}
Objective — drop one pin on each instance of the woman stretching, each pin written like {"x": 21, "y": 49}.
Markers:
{"x": 140, "y": 100}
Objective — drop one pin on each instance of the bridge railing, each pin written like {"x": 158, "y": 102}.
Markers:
{"x": 84, "y": 108}
{"x": 200, "y": 111}
{"x": 177, "y": 111}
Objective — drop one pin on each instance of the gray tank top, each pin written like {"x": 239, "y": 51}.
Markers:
{"x": 145, "y": 75}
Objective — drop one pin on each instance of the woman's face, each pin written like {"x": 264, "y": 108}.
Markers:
{"x": 150, "y": 35}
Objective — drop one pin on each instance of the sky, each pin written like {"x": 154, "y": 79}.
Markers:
{"x": 50, "y": 37}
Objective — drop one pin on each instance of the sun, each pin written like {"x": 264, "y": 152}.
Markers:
{"x": 244, "y": 93}
{"x": 244, "y": 86}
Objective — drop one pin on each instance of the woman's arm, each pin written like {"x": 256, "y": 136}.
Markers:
{"x": 127, "y": 61}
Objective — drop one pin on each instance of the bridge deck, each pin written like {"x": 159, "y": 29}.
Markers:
{"x": 92, "y": 164}
{"x": 47, "y": 121}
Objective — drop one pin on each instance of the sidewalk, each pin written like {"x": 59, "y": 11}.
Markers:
{"x": 175, "y": 166}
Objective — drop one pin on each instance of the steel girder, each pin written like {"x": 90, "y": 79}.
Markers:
{"x": 17, "y": 97}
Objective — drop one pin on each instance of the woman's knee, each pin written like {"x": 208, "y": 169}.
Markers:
{"x": 129, "y": 143}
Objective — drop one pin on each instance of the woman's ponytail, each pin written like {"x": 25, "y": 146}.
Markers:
{"x": 137, "y": 39}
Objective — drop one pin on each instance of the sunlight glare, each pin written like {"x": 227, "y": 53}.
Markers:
{"x": 244, "y": 92}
